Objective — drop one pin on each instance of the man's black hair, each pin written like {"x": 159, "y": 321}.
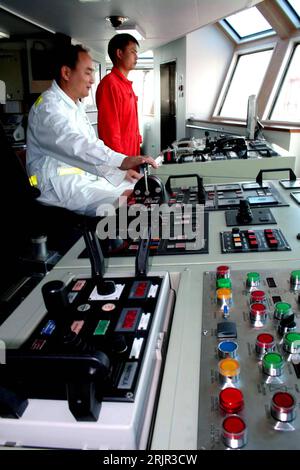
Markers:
{"x": 119, "y": 41}
{"x": 69, "y": 56}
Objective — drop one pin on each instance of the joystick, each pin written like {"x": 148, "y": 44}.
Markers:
{"x": 244, "y": 214}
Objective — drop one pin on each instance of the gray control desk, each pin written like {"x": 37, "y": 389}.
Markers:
{"x": 287, "y": 218}
{"x": 227, "y": 171}
{"x": 176, "y": 423}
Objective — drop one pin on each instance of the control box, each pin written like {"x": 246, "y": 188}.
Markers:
{"x": 249, "y": 379}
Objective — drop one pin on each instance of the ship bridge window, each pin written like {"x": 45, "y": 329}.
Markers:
{"x": 286, "y": 106}
{"x": 247, "y": 25}
{"x": 247, "y": 75}
{"x": 292, "y": 10}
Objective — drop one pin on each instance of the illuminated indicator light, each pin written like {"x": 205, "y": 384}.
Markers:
{"x": 229, "y": 367}
{"x": 257, "y": 296}
{"x": 295, "y": 278}
{"x": 253, "y": 279}
{"x": 224, "y": 295}
{"x": 282, "y": 309}
{"x": 234, "y": 432}
{"x": 101, "y": 328}
{"x": 223, "y": 271}
{"x": 264, "y": 343}
{"x": 258, "y": 314}
{"x": 272, "y": 364}
{"x": 283, "y": 407}
{"x": 291, "y": 342}
{"x": 79, "y": 285}
{"x": 224, "y": 283}
{"x": 231, "y": 400}
{"x": 227, "y": 349}
{"x": 130, "y": 319}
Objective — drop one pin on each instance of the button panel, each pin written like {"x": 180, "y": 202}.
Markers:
{"x": 249, "y": 371}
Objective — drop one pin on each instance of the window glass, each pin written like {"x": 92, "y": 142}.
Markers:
{"x": 248, "y": 22}
{"x": 246, "y": 80}
{"x": 287, "y": 104}
{"x": 295, "y": 4}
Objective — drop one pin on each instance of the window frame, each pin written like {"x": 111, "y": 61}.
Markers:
{"x": 229, "y": 77}
{"x": 290, "y": 12}
{"x": 266, "y": 117}
{"x": 242, "y": 40}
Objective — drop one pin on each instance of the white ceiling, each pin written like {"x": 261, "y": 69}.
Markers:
{"x": 161, "y": 20}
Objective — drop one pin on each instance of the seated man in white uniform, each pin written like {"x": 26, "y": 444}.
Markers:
{"x": 73, "y": 168}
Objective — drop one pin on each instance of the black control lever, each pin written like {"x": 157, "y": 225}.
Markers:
{"x": 259, "y": 178}
{"x": 97, "y": 262}
{"x": 142, "y": 256}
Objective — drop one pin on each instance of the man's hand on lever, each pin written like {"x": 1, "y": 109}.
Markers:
{"x": 131, "y": 162}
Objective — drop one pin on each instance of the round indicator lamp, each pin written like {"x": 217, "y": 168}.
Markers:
{"x": 291, "y": 342}
{"x": 257, "y": 296}
{"x": 295, "y": 279}
{"x": 272, "y": 364}
{"x": 253, "y": 279}
{"x": 223, "y": 283}
{"x": 258, "y": 314}
{"x": 229, "y": 371}
{"x": 234, "y": 432}
{"x": 265, "y": 343}
{"x": 223, "y": 272}
{"x": 282, "y": 309}
{"x": 283, "y": 407}
{"x": 231, "y": 400}
{"x": 224, "y": 296}
{"x": 227, "y": 348}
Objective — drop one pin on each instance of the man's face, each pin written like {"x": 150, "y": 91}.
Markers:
{"x": 128, "y": 57}
{"x": 82, "y": 77}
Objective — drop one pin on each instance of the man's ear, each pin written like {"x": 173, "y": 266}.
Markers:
{"x": 119, "y": 54}
{"x": 65, "y": 72}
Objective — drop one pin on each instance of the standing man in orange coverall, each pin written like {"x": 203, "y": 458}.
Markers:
{"x": 116, "y": 101}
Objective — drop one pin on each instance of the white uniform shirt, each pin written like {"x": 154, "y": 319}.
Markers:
{"x": 60, "y": 139}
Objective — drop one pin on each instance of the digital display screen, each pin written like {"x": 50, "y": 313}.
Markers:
{"x": 128, "y": 320}
{"x": 139, "y": 290}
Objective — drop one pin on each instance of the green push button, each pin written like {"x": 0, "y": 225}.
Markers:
{"x": 253, "y": 277}
{"x": 291, "y": 342}
{"x": 272, "y": 360}
{"x": 224, "y": 283}
{"x": 295, "y": 275}
{"x": 282, "y": 309}
{"x": 101, "y": 328}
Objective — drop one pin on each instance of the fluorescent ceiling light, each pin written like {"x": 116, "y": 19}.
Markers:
{"x": 134, "y": 30}
{"x": 4, "y": 35}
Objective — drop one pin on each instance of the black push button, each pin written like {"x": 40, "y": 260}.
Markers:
{"x": 226, "y": 329}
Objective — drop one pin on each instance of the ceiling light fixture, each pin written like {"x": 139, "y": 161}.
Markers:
{"x": 134, "y": 30}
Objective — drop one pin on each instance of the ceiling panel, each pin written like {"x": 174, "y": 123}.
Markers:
{"x": 162, "y": 20}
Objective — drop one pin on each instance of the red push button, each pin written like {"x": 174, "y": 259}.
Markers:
{"x": 231, "y": 400}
